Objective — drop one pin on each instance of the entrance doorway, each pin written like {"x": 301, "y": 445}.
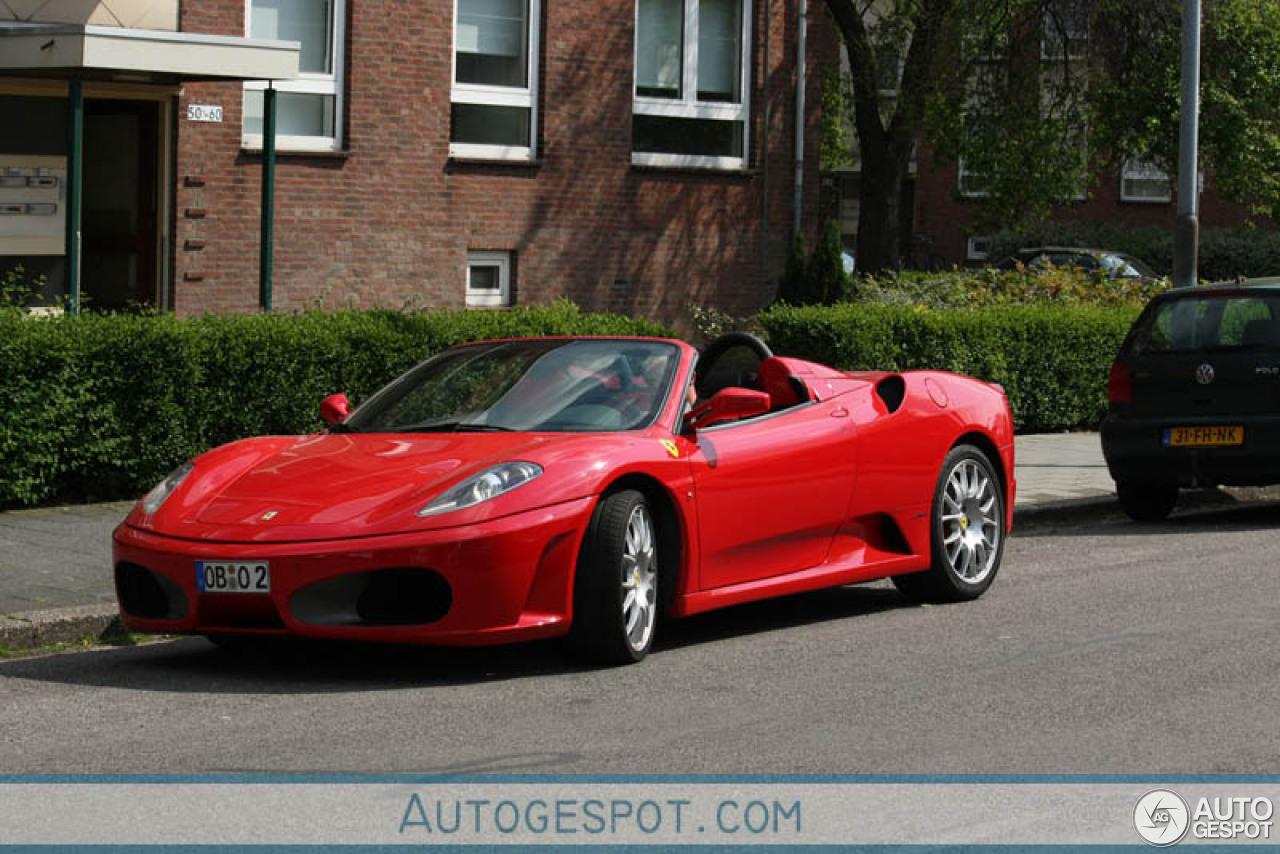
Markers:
{"x": 120, "y": 203}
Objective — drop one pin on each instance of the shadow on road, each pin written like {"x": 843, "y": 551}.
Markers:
{"x": 1208, "y": 510}
{"x": 193, "y": 665}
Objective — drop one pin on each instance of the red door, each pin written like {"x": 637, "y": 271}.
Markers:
{"x": 771, "y": 492}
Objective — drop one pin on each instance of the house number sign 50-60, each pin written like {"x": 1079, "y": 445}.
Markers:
{"x": 204, "y": 113}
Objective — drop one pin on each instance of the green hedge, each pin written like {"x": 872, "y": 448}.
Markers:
{"x": 1225, "y": 253}
{"x": 103, "y": 405}
{"x": 1053, "y": 361}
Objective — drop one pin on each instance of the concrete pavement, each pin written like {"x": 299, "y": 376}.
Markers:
{"x": 55, "y": 563}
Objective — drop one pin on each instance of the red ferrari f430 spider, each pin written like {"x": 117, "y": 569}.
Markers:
{"x": 511, "y": 490}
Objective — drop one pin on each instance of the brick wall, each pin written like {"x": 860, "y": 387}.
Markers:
{"x": 389, "y": 222}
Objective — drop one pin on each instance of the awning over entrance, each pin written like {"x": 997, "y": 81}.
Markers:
{"x": 106, "y": 53}
{"x": 80, "y": 52}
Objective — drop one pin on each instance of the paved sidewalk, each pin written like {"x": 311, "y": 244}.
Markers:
{"x": 55, "y": 563}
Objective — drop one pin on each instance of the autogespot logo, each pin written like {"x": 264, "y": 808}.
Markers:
{"x": 1161, "y": 817}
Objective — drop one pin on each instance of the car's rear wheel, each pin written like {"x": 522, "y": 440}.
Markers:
{"x": 1147, "y": 500}
{"x": 967, "y": 525}
{"x": 615, "y": 602}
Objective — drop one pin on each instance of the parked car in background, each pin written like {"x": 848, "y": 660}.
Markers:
{"x": 1115, "y": 265}
{"x": 1195, "y": 395}
{"x": 512, "y": 490}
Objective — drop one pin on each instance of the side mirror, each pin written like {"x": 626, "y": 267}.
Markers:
{"x": 729, "y": 404}
{"x": 335, "y": 408}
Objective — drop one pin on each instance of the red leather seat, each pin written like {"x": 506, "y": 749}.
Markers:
{"x": 784, "y": 388}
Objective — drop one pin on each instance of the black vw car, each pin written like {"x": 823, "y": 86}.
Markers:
{"x": 1195, "y": 395}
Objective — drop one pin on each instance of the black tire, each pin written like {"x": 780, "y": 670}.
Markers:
{"x": 966, "y": 531}
{"x": 1147, "y": 500}
{"x": 617, "y": 558}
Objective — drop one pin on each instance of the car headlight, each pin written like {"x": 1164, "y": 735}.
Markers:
{"x": 153, "y": 499}
{"x": 481, "y": 487}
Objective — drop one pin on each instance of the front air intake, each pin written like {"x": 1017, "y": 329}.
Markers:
{"x": 404, "y": 596}
{"x": 149, "y": 595}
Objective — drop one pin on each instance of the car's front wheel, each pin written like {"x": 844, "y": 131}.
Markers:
{"x": 967, "y": 525}
{"x": 615, "y": 602}
{"x": 1146, "y": 500}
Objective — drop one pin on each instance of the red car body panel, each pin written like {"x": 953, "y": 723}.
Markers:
{"x": 832, "y": 491}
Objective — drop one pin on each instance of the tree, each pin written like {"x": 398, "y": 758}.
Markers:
{"x": 1025, "y": 93}
{"x": 972, "y": 85}
{"x": 1135, "y": 99}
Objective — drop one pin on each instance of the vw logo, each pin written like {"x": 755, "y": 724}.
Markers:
{"x": 1204, "y": 374}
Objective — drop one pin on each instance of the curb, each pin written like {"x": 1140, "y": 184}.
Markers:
{"x": 32, "y": 630}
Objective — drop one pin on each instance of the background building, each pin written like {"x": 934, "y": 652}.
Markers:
{"x": 632, "y": 155}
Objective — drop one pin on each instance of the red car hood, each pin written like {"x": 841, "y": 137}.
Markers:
{"x": 333, "y": 486}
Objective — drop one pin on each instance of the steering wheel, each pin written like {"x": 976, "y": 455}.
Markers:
{"x": 716, "y": 349}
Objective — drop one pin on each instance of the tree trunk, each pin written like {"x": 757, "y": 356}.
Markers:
{"x": 880, "y": 195}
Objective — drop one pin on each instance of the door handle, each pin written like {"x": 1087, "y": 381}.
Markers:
{"x": 839, "y": 412}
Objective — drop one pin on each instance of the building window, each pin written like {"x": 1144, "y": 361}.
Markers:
{"x": 1141, "y": 181}
{"x": 977, "y": 249}
{"x": 691, "y": 80}
{"x": 308, "y": 109}
{"x": 495, "y": 79}
{"x": 1065, "y": 33}
{"x": 488, "y": 279}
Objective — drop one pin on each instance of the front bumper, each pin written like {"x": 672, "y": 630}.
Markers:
{"x": 506, "y": 580}
{"x": 1135, "y": 451}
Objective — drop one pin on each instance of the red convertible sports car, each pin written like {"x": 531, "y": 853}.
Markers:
{"x": 511, "y": 490}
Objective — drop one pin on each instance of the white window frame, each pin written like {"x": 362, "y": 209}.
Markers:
{"x": 1137, "y": 169}
{"x": 484, "y": 298}
{"x": 688, "y": 106}
{"x": 499, "y": 96}
{"x": 309, "y": 84}
{"x": 977, "y": 248}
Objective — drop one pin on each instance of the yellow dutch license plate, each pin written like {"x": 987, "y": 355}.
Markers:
{"x": 1204, "y": 437}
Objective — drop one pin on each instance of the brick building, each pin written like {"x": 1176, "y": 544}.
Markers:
{"x": 631, "y": 155}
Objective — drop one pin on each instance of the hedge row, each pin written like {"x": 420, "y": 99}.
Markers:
{"x": 1224, "y": 253}
{"x": 103, "y": 405}
{"x": 1053, "y": 361}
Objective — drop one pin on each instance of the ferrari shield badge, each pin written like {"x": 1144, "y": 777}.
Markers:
{"x": 672, "y": 450}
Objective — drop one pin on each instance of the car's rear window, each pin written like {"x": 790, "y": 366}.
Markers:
{"x": 1211, "y": 322}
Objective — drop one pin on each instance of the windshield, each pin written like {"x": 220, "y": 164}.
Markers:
{"x": 1217, "y": 322}
{"x": 537, "y": 385}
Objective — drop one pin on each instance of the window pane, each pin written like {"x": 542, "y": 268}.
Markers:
{"x": 297, "y": 114}
{"x": 492, "y": 42}
{"x": 720, "y": 50}
{"x": 707, "y": 137}
{"x": 659, "y": 33}
{"x": 305, "y": 21}
{"x": 485, "y": 278}
{"x": 484, "y": 125}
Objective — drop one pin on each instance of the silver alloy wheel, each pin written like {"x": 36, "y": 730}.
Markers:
{"x": 971, "y": 523}
{"x": 639, "y": 579}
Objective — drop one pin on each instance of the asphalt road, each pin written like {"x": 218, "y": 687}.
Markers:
{"x": 1104, "y": 646}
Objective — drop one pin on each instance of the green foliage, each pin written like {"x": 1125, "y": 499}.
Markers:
{"x": 837, "y": 122}
{"x": 819, "y": 278}
{"x": 1052, "y": 360}
{"x": 792, "y": 287}
{"x": 104, "y": 405}
{"x": 18, "y": 289}
{"x": 1225, "y": 253}
{"x": 1135, "y": 97}
{"x": 987, "y": 288}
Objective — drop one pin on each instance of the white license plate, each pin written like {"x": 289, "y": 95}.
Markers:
{"x": 233, "y": 576}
